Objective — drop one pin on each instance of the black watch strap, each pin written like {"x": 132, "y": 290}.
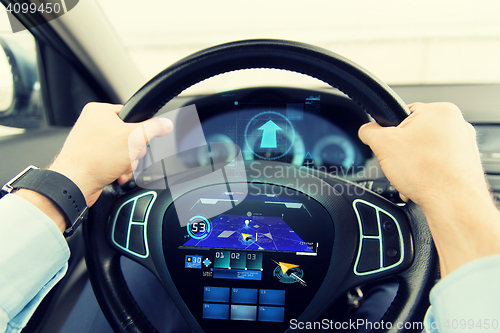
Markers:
{"x": 58, "y": 188}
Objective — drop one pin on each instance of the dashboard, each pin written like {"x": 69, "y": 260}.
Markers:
{"x": 295, "y": 126}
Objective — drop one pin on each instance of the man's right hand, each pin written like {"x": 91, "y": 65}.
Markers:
{"x": 432, "y": 158}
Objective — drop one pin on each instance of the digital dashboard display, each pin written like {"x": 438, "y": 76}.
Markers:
{"x": 251, "y": 233}
{"x": 293, "y": 130}
{"x": 258, "y": 259}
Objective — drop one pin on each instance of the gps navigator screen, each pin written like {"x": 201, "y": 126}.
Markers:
{"x": 251, "y": 233}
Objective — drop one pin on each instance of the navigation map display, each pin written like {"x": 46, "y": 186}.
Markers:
{"x": 250, "y": 233}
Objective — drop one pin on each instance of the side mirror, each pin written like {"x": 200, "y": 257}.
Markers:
{"x": 20, "y": 100}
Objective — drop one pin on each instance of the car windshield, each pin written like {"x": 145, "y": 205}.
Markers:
{"x": 401, "y": 42}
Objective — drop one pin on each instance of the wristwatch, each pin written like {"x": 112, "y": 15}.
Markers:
{"x": 57, "y": 188}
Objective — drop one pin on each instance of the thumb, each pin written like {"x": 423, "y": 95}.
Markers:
{"x": 370, "y": 132}
{"x": 145, "y": 132}
{"x": 156, "y": 127}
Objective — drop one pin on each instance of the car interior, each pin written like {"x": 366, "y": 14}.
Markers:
{"x": 239, "y": 236}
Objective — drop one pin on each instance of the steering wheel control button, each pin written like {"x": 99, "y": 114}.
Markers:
{"x": 382, "y": 187}
{"x": 377, "y": 252}
{"x": 391, "y": 257}
{"x": 391, "y": 241}
{"x": 216, "y": 294}
{"x": 130, "y": 224}
{"x": 389, "y": 226}
{"x": 369, "y": 260}
{"x": 136, "y": 239}
{"x": 140, "y": 208}
{"x": 368, "y": 217}
{"x": 215, "y": 311}
{"x": 379, "y": 187}
{"x": 122, "y": 224}
{"x": 391, "y": 253}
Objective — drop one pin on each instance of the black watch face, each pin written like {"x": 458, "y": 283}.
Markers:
{"x": 261, "y": 261}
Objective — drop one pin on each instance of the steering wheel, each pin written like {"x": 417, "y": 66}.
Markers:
{"x": 365, "y": 237}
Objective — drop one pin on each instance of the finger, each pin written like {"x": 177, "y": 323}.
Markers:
{"x": 142, "y": 153}
{"x": 134, "y": 165}
{"x": 368, "y": 132}
{"x": 403, "y": 197}
{"x": 145, "y": 132}
{"x": 129, "y": 173}
{"x": 116, "y": 108}
{"x": 415, "y": 106}
{"x": 156, "y": 127}
{"x": 124, "y": 178}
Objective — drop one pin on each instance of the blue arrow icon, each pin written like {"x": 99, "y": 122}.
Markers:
{"x": 269, "y": 134}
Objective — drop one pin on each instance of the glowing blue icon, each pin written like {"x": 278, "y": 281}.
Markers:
{"x": 269, "y": 134}
{"x": 193, "y": 261}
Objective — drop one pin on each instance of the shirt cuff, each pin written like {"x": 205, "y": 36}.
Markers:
{"x": 467, "y": 299}
{"x": 17, "y": 323}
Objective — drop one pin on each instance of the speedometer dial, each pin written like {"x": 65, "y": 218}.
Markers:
{"x": 334, "y": 150}
{"x": 220, "y": 152}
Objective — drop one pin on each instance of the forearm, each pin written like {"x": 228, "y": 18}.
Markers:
{"x": 464, "y": 229}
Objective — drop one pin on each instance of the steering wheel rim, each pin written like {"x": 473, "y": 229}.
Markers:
{"x": 376, "y": 98}
{"x": 362, "y": 87}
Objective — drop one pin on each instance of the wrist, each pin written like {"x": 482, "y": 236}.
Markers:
{"x": 77, "y": 176}
{"x": 53, "y": 193}
{"x": 456, "y": 204}
{"x": 45, "y": 205}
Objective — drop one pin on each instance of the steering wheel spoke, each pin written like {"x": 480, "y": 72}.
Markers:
{"x": 386, "y": 245}
{"x": 128, "y": 226}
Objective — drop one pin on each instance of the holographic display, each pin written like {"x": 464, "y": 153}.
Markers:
{"x": 251, "y": 233}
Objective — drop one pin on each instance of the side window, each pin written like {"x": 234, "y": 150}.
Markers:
{"x": 21, "y": 104}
